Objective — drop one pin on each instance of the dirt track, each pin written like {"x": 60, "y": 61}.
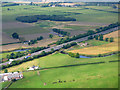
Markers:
{"x": 87, "y": 24}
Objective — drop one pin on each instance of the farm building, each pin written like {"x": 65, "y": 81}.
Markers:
{"x": 82, "y": 44}
{"x": 33, "y": 68}
{"x": 11, "y": 60}
{"x": 9, "y": 76}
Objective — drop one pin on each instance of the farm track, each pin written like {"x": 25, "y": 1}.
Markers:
{"x": 60, "y": 46}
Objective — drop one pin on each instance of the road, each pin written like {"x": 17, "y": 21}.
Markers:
{"x": 60, "y": 46}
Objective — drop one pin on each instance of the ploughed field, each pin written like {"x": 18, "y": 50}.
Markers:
{"x": 85, "y": 19}
{"x": 68, "y": 72}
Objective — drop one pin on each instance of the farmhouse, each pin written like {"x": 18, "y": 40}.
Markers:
{"x": 84, "y": 44}
{"x": 9, "y": 76}
{"x": 33, "y": 68}
{"x": 10, "y": 61}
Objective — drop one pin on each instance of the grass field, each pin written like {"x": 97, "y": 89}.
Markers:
{"x": 106, "y": 8}
{"x": 63, "y": 60}
{"x": 85, "y": 76}
{"x": 101, "y": 49}
{"x": 90, "y": 44}
{"x": 93, "y": 16}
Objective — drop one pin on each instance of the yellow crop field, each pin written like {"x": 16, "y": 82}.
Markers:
{"x": 102, "y": 49}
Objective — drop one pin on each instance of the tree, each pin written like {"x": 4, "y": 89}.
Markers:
{"x": 99, "y": 55}
{"x": 114, "y": 6}
{"x": 96, "y": 37}
{"x": 15, "y": 35}
{"x": 90, "y": 37}
{"x": 106, "y": 39}
{"x": 111, "y": 39}
{"x": 101, "y": 38}
{"x": 21, "y": 39}
{"x": 5, "y": 71}
{"x": 40, "y": 38}
{"x": 13, "y": 80}
{"x": 90, "y": 32}
{"x": 52, "y": 50}
{"x": 8, "y": 9}
{"x": 50, "y": 35}
{"x": 77, "y": 55}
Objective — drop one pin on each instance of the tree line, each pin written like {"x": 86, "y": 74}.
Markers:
{"x": 35, "y": 18}
{"x": 64, "y": 33}
{"x": 14, "y": 55}
{"x": 101, "y": 38}
{"x": 89, "y": 33}
{"x": 21, "y": 39}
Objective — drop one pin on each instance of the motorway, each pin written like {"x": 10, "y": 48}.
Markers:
{"x": 61, "y": 45}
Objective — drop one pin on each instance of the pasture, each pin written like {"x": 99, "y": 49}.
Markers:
{"x": 62, "y": 60}
{"x": 81, "y": 76}
{"x": 101, "y": 49}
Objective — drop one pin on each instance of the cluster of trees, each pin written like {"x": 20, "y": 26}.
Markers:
{"x": 50, "y": 36}
{"x": 108, "y": 27}
{"x": 5, "y": 71}
{"x": 101, "y": 38}
{"x": 32, "y": 42}
{"x": 35, "y": 18}
{"x": 61, "y": 32}
{"x": 20, "y": 54}
{"x": 15, "y": 35}
{"x": 89, "y": 33}
{"x": 75, "y": 55}
{"x": 69, "y": 45}
{"x": 12, "y": 4}
{"x": 16, "y": 55}
{"x": 35, "y": 40}
{"x": 35, "y": 49}
{"x": 100, "y": 3}
{"x": 40, "y": 38}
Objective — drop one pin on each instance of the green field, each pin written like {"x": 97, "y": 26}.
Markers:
{"x": 82, "y": 28}
{"x": 63, "y": 60}
{"x": 90, "y": 44}
{"x": 27, "y": 30}
{"x": 85, "y": 16}
{"x": 86, "y": 76}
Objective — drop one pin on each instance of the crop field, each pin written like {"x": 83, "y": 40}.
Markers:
{"x": 82, "y": 15}
{"x": 101, "y": 49}
{"x": 75, "y": 76}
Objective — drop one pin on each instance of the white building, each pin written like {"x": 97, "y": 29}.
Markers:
{"x": 33, "y": 68}
{"x": 9, "y": 76}
{"x": 11, "y": 60}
